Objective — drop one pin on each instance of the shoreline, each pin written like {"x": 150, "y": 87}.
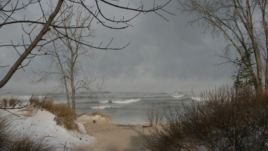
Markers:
{"x": 112, "y": 136}
{"x": 98, "y": 131}
{"x": 116, "y": 137}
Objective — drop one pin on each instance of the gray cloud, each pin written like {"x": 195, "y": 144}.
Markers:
{"x": 163, "y": 56}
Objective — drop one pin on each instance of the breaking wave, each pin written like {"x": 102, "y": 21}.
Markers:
{"x": 196, "y": 98}
{"x": 178, "y": 96}
{"x": 101, "y": 107}
{"x": 126, "y": 101}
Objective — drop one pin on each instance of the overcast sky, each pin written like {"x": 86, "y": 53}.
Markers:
{"x": 162, "y": 57}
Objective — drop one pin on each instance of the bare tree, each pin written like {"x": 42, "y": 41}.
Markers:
{"x": 35, "y": 29}
{"x": 244, "y": 25}
{"x": 67, "y": 53}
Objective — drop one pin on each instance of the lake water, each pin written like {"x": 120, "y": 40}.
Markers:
{"x": 130, "y": 107}
{"x": 126, "y": 107}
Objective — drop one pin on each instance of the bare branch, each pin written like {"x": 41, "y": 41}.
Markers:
{"x": 35, "y": 30}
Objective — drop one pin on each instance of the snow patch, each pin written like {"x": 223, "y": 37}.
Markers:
{"x": 42, "y": 126}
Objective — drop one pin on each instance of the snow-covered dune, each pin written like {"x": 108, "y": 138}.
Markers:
{"x": 42, "y": 126}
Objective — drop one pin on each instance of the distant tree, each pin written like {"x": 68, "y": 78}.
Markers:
{"x": 244, "y": 24}
{"x": 35, "y": 27}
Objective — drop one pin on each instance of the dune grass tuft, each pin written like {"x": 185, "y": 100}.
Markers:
{"x": 64, "y": 114}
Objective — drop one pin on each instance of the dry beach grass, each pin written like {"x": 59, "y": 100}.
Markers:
{"x": 228, "y": 120}
{"x": 64, "y": 115}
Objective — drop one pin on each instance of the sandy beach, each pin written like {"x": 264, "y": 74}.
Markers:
{"x": 113, "y": 137}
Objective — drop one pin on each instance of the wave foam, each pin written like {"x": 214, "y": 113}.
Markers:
{"x": 196, "y": 98}
{"x": 178, "y": 96}
{"x": 102, "y": 107}
{"x": 105, "y": 101}
{"x": 126, "y": 101}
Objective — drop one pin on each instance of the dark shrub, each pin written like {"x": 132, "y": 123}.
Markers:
{"x": 226, "y": 121}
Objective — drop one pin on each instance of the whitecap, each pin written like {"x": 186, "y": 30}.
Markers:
{"x": 178, "y": 96}
{"x": 195, "y": 98}
{"x": 101, "y": 107}
{"x": 106, "y": 101}
{"x": 127, "y": 101}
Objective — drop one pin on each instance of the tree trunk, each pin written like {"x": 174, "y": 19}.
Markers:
{"x": 28, "y": 50}
{"x": 67, "y": 92}
{"x": 266, "y": 77}
{"x": 265, "y": 29}
{"x": 72, "y": 83}
{"x": 259, "y": 89}
{"x": 73, "y": 97}
{"x": 73, "y": 100}
{"x": 257, "y": 54}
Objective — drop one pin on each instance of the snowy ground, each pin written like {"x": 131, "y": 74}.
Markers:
{"x": 40, "y": 125}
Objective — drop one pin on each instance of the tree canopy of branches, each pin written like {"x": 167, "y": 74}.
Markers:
{"x": 67, "y": 54}
{"x": 244, "y": 25}
{"x": 47, "y": 18}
